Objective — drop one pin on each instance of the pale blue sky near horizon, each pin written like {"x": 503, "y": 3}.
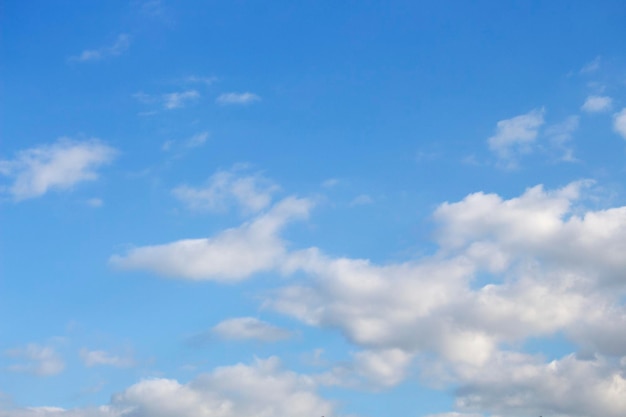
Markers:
{"x": 361, "y": 170}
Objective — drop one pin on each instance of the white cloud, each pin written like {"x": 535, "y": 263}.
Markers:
{"x": 591, "y": 66}
{"x": 560, "y": 134}
{"x": 252, "y": 193}
{"x": 330, "y": 183}
{"x": 169, "y": 101}
{"x": 179, "y": 99}
{"x": 249, "y": 328}
{"x": 362, "y": 200}
{"x": 516, "y": 136}
{"x": 258, "y": 390}
{"x": 61, "y": 165}
{"x": 193, "y": 79}
{"x": 519, "y": 385}
{"x": 95, "y": 202}
{"x": 553, "y": 268}
{"x": 232, "y": 255}
{"x": 596, "y": 104}
{"x": 99, "y": 357}
{"x": 237, "y": 98}
{"x": 197, "y": 140}
{"x": 619, "y": 122}
{"x": 39, "y": 360}
{"x": 385, "y": 367}
{"x": 546, "y": 264}
{"x": 121, "y": 45}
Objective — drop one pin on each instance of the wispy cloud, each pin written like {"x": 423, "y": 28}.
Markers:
{"x": 179, "y": 99}
{"x": 121, "y": 45}
{"x": 93, "y": 358}
{"x": 169, "y": 101}
{"x": 596, "y": 104}
{"x": 591, "y": 66}
{"x": 362, "y": 200}
{"x": 194, "y": 79}
{"x": 249, "y": 328}
{"x": 516, "y": 136}
{"x": 237, "y": 98}
{"x": 61, "y": 165}
{"x": 560, "y": 135}
{"x": 37, "y": 360}
{"x": 619, "y": 122}
{"x": 252, "y": 192}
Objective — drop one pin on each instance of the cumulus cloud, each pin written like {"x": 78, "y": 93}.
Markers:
{"x": 232, "y": 255}
{"x": 597, "y": 104}
{"x": 237, "y": 98}
{"x": 121, "y": 45}
{"x": 619, "y": 122}
{"x": 37, "y": 360}
{"x": 506, "y": 270}
{"x": 61, "y": 165}
{"x": 93, "y": 358}
{"x": 516, "y": 136}
{"x": 251, "y": 192}
{"x": 258, "y": 390}
{"x": 249, "y": 328}
{"x": 519, "y": 385}
{"x": 551, "y": 267}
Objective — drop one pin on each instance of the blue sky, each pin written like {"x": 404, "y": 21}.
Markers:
{"x": 308, "y": 208}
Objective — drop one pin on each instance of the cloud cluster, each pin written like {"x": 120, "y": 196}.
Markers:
{"x": 258, "y": 390}
{"x": 506, "y": 270}
{"x": 61, "y": 165}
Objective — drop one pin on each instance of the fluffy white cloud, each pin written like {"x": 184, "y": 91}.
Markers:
{"x": 252, "y": 192}
{"x": 516, "y": 136}
{"x": 258, "y": 390}
{"x": 60, "y": 165}
{"x": 546, "y": 266}
{"x": 100, "y": 357}
{"x": 37, "y": 360}
{"x": 232, "y": 255}
{"x": 596, "y": 104}
{"x": 619, "y": 122}
{"x": 121, "y": 44}
{"x": 519, "y": 385}
{"x": 237, "y": 98}
{"x": 249, "y": 328}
